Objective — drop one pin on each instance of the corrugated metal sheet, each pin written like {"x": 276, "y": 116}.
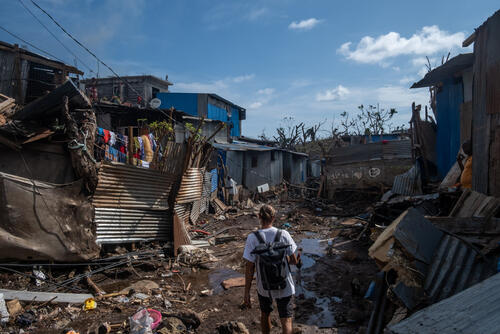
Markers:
{"x": 446, "y": 71}
{"x": 396, "y": 149}
{"x": 183, "y": 211}
{"x": 195, "y": 211}
{"x": 191, "y": 186}
{"x": 408, "y": 183}
{"x": 124, "y": 186}
{"x": 213, "y": 173}
{"x": 131, "y": 204}
{"x": 114, "y": 225}
{"x": 455, "y": 267}
{"x": 474, "y": 310}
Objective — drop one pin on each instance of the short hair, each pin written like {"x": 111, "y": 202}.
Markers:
{"x": 267, "y": 213}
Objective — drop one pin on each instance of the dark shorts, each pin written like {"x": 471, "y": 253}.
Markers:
{"x": 285, "y": 305}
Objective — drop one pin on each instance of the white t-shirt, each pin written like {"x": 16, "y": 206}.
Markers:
{"x": 269, "y": 234}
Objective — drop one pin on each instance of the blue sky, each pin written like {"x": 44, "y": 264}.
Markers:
{"x": 310, "y": 60}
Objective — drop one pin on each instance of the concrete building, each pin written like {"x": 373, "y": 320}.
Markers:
{"x": 138, "y": 90}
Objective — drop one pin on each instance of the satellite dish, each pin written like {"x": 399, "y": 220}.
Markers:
{"x": 155, "y": 103}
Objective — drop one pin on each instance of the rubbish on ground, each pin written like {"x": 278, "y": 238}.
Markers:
{"x": 73, "y": 298}
{"x": 232, "y": 327}
{"x": 14, "y": 307}
{"x": 233, "y": 282}
{"x": 173, "y": 325}
{"x": 263, "y": 188}
{"x": 140, "y": 322}
{"x": 90, "y": 304}
{"x": 156, "y": 315}
{"x": 26, "y": 318}
{"x": 190, "y": 318}
{"x": 140, "y": 295}
{"x": 4, "y": 313}
{"x": 40, "y": 276}
{"x": 144, "y": 286}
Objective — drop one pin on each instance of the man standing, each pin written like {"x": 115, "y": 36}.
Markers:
{"x": 274, "y": 279}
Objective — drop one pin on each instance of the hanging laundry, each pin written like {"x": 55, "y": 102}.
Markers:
{"x": 141, "y": 147}
{"x": 148, "y": 151}
{"x": 112, "y": 138}
{"x": 106, "y": 135}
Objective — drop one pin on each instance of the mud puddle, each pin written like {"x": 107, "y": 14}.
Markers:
{"x": 312, "y": 308}
{"x": 212, "y": 279}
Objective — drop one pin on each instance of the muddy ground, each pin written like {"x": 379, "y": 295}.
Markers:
{"x": 330, "y": 285}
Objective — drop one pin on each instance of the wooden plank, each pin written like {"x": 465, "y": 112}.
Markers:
{"x": 76, "y": 298}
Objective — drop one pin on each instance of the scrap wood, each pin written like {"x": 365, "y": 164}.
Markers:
{"x": 45, "y": 296}
{"x": 233, "y": 282}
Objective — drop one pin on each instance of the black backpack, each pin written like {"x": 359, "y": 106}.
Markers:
{"x": 272, "y": 261}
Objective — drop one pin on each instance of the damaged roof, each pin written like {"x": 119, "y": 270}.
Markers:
{"x": 474, "y": 310}
{"x": 445, "y": 71}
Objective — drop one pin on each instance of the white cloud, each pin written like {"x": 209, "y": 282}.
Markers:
{"x": 333, "y": 94}
{"x": 242, "y": 78}
{"x": 406, "y": 80}
{"x": 266, "y": 91}
{"x": 257, "y": 13}
{"x": 427, "y": 41}
{"x": 304, "y": 24}
{"x": 400, "y": 96}
{"x": 255, "y": 105}
{"x": 220, "y": 86}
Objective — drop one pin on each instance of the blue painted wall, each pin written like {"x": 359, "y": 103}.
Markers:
{"x": 235, "y": 120}
{"x": 186, "y": 102}
{"x": 448, "y": 102}
{"x": 216, "y": 113}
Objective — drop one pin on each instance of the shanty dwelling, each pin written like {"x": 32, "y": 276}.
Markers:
{"x": 252, "y": 165}
{"x": 452, "y": 82}
{"x": 294, "y": 167}
{"x": 368, "y": 165}
{"x": 314, "y": 168}
{"x": 207, "y": 106}
{"x": 135, "y": 90}
{"x": 486, "y": 107}
{"x": 26, "y": 75}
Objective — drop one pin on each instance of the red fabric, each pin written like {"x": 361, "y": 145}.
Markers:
{"x": 106, "y": 135}
{"x": 122, "y": 149}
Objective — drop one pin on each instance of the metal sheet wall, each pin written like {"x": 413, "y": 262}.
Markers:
{"x": 131, "y": 204}
{"x": 124, "y": 186}
{"x": 448, "y": 103}
{"x": 115, "y": 225}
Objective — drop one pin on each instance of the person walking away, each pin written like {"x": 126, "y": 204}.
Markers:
{"x": 271, "y": 252}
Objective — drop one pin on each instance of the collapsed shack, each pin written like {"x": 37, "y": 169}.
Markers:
{"x": 122, "y": 187}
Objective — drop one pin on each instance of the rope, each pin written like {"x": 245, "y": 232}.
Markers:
{"x": 75, "y": 145}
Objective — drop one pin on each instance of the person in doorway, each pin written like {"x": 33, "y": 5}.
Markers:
{"x": 466, "y": 177}
{"x": 274, "y": 279}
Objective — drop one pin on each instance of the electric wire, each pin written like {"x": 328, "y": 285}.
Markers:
{"x": 30, "y": 44}
{"x": 100, "y": 61}
{"x": 55, "y": 37}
